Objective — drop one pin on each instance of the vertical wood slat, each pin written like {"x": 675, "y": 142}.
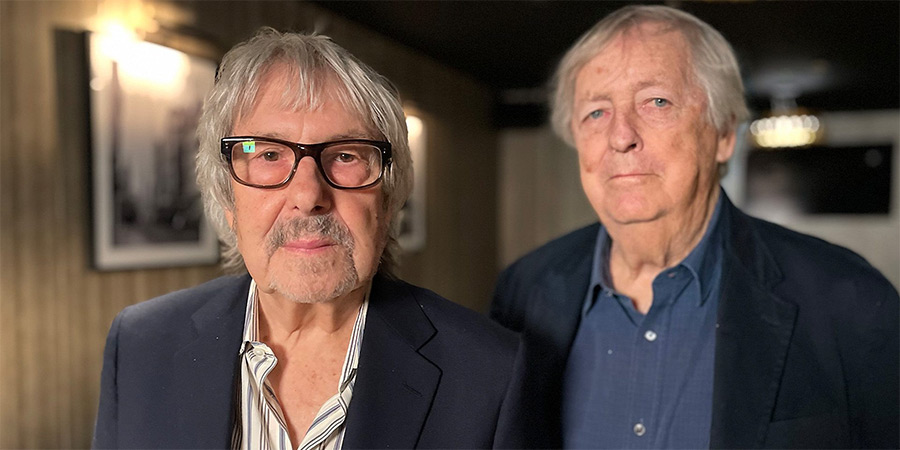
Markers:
{"x": 9, "y": 393}
{"x": 28, "y": 228}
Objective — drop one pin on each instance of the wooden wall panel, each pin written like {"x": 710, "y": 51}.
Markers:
{"x": 55, "y": 310}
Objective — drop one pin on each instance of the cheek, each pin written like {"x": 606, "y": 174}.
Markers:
{"x": 590, "y": 157}
{"x": 591, "y": 182}
{"x": 705, "y": 150}
{"x": 365, "y": 217}
{"x": 253, "y": 215}
{"x": 369, "y": 224}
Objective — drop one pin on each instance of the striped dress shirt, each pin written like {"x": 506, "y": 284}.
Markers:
{"x": 262, "y": 424}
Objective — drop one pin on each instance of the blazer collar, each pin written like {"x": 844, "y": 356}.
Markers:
{"x": 395, "y": 384}
{"x": 553, "y": 313}
{"x": 555, "y": 318}
{"x": 754, "y": 331}
{"x": 208, "y": 365}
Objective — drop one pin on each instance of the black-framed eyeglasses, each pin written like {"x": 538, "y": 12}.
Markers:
{"x": 269, "y": 163}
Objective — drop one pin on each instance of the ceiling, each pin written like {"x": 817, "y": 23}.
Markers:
{"x": 829, "y": 55}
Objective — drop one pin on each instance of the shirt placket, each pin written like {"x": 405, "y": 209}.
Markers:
{"x": 650, "y": 341}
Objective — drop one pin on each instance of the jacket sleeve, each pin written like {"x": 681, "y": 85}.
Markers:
{"x": 511, "y": 432}
{"x": 505, "y": 307}
{"x": 875, "y": 388}
{"x": 106, "y": 425}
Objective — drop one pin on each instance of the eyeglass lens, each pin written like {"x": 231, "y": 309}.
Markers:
{"x": 266, "y": 163}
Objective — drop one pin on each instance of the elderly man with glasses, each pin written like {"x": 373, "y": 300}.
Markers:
{"x": 303, "y": 165}
{"x": 678, "y": 321}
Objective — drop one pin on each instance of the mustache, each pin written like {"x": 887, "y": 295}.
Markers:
{"x": 303, "y": 227}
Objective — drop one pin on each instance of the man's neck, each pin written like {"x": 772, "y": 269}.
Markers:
{"x": 282, "y": 320}
{"x": 641, "y": 251}
{"x": 310, "y": 341}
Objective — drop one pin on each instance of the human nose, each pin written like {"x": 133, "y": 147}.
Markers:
{"x": 307, "y": 189}
{"x": 623, "y": 136}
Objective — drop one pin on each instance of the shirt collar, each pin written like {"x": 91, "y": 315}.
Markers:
{"x": 251, "y": 329}
{"x": 701, "y": 261}
{"x": 250, "y": 321}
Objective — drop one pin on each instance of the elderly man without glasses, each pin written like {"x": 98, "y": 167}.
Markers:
{"x": 678, "y": 321}
{"x": 303, "y": 165}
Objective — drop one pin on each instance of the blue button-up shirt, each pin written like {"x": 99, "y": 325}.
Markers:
{"x": 646, "y": 381}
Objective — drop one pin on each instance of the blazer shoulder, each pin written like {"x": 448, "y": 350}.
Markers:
{"x": 555, "y": 252}
{"x": 828, "y": 281}
{"x": 569, "y": 256}
{"x": 801, "y": 256}
{"x": 160, "y": 313}
{"x": 460, "y": 326}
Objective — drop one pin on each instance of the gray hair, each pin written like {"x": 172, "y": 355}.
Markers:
{"x": 314, "y": 63}
{"x": 715, "y": 67}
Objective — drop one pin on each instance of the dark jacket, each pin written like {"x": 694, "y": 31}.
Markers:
{"x": 431, "y": 373}
{"x": 806, "y": 345}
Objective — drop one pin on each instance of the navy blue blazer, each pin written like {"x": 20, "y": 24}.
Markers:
{"x": 431, "y": 373}
{"x": 806, "y": 346}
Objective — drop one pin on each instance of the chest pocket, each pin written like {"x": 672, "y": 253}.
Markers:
{"x": 821, "y": 431}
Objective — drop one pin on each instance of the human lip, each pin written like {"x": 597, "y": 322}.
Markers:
{"x": 309, "y": 245}
{"x": 626, "y": 175}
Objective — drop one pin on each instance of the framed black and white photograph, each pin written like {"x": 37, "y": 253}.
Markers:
{"x": 145, "y": 103}
{"x": 412, "y": 216}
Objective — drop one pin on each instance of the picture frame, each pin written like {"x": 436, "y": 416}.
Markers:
{"x": 145, "y": 102}
{"x": 412, "y": 222}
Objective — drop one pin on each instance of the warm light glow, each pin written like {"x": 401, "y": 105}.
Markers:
{"x": 414, "y": 127}
{"x": 143, "y": 63}
{"x": 412, "y": 215}
{"x": 785, "y": 131}
{"x": 134, "y": 17}
{"x": 120, "y": 26}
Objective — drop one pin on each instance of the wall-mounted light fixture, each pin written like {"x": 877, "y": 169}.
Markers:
{"x": 120, "y": 27}
{"x": 143, "y": 63}
{"x": 412, "y": 217}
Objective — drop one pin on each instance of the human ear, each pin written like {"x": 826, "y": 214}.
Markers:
{"x": 725, "y": 146}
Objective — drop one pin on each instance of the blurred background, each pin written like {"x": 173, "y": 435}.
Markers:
{"x": 819, "y": 154}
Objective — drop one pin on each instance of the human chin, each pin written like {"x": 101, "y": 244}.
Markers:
{"x": 311, "y": 259}
{"x": 629, "y": 206}
{"x": 316, "y": 279}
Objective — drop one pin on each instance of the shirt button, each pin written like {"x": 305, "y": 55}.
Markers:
{"x": 672, "y": 273}
{"x": 650, "y": 335}
{"x": 639, "y": 429}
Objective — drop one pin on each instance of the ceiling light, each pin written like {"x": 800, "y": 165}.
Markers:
{"x": 785, "y": 131}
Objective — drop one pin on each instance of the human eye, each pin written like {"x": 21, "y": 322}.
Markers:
{"x": 657, "y": 110}
{"x": 346, "y": 157}
{"x": 595, "y": 114}
{"x": 269, "y": 152}
{"x": 348, "y": 154}
{"x": 262, "y": 152}
{"x": 270, "y": 156}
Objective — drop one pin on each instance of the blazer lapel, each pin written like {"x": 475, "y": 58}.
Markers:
{"x": 553, "y": 315}
{"x": 556, "y": 312}
{"x": 208, "y": 366}
{"x": 752, "y": 339}
{"x": 395, "y": 384}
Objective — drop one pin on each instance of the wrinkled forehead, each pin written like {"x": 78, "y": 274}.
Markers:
{"x": 661, "y": 37}
{"x": 645, "y": 53}
{"x": 301, "y": 90}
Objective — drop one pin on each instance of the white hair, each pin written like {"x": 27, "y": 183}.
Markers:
{"x": 715, "y": 67}
{"x": 317, "y": 68}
